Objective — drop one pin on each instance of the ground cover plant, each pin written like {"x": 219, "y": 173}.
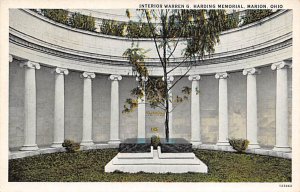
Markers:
{"x": 89, "y": 166}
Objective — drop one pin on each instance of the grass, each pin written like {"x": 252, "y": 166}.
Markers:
{"x": 89, "y": 166}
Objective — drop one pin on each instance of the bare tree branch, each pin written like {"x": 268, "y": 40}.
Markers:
{"x": 153, "y": 83}
{"x": 154, "y": 38}
{"x": 154, "y": 105}
{"x": 183, "y": 61}
{"x": 175, "y": 46}
{"x": 179, "y": 38}
{"x": 173, "y": 84}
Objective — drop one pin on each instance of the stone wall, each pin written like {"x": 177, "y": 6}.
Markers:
{"x": 101, "y": 108}
{"x": 44, "y": 105}
{"x": 266, "y": 89}
{"x": 266, "y": 102}
{"x": 57, "y": 34}
{"x": 209, "y": 92}
{"x": 128, "y": 121}
{"x": 16, "y": 105}
{"x": 73, "y": 106}
{"x": 237, "y": 105}
{"x": 260, "y": 44}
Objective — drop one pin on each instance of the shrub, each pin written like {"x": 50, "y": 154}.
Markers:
{"x": 155, "y": 141}
{"x": 58, "y": 15}
{"x": 232, "y": 21}
{"x": 255, "y": 15}
{"x": 70, "y": 146}
{"x": 240, "y": 145}
{"x": 80, "y": 21}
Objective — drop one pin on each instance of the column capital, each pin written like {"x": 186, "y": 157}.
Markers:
{"x": 30, "y": 64}
{"x": 115, "y": 77}
{"x": 251, "y": 71}
{"x": 194, "y": 77}
{"x": 281, "y": 65}
{"x": 88, "y": 75}
{"x": 61, "y": 71}
{"x": 11, "y": 58}
{"x": 221, "y": 75}
{"x": 169, "y": 79}
{"x": 141, "y": 78}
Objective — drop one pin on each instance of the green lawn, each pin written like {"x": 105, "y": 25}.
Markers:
{"x": 89, "y": 166}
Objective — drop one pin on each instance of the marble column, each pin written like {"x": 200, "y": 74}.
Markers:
{"x": 281, "y": 106}
{"x": 170, "y": 79}
{"x": 30, "y": 106}
{"x": 252, "y": 128}
{"x": 59, "y": 107}
{"x": 223, "y": 109}
{"x": 10, "y": 61}
{"x": 142, "y": 110}
{"x": 114, "y": 110}
{"x": 87, "y": 108}
{"x": 195, "y": 111}
{"x": 11, "y": 58}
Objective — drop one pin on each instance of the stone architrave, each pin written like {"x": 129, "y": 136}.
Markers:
{"x": 281, "y": 106}
{"x": 223, "y": 109}
{"x": 59, "y": 107}
{"x": 114, "y": 110}
{"x": 252, "y": 128}
{"x": 87, "y": 108}
{"x": 195, "y": 111}
{"x": 142, "y": 111}
{"x": 30, "y": 106}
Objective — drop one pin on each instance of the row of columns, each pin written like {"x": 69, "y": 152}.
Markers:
{"x": 252, "y": 128}
{"x": 58, "y": 136}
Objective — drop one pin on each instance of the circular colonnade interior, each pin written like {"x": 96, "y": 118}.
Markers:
{"x": 72, "y": 84}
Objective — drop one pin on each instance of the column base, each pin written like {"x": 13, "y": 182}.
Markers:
{"x": 56, "y": 145}
{"x": 86, "y": 143}
{"x": 143, "y": 136}
{"x": 253, "y": 146}
{"x": 282, "y": 148}
{"x": 196, "y": 143}
{"x": 29, "y": 148}
{"x": 114, "y": 143}
{"x": 223, "y": 143}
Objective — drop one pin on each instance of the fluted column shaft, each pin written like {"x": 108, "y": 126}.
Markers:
{"x": 87, "y": 108}
{"x": 223, "y": 109}
{"x": 142, "y": 110}
{"x": 114, "y": 110}
{"x": 195, "y": 111}
{"x": 281, "y": 106}
{"x": 30, "y": 106}
{"x": 252, "y": 128}
{"x": 59, "y": 107}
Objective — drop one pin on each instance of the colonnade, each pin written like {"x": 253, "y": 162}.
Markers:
{"x": 252, "y": 127}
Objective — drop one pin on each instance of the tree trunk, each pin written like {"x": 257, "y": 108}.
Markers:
{"x": 167, "y": 118}
{"x": 164, "y": 39}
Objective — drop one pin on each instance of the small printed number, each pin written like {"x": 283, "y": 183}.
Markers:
{"x": 285, "y": 185}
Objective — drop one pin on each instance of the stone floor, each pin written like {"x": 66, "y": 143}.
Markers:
{"x": 263, "y": 151}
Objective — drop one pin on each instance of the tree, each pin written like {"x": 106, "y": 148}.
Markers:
{"x": 197, "y": 30}
{"x": 253, "y": 15}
